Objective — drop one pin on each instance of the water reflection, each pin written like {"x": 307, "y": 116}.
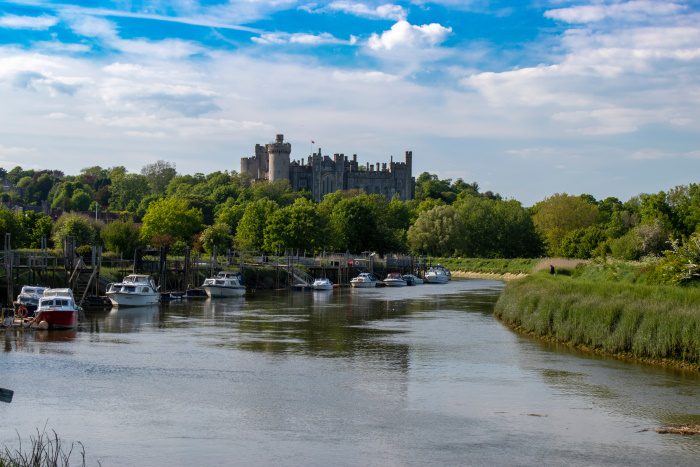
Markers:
{"x": 125, "y": 320}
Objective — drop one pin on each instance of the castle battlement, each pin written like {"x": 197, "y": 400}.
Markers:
{"x": 322, "y": 174}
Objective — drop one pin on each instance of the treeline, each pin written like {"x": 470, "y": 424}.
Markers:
{"x": 159, "y": 207}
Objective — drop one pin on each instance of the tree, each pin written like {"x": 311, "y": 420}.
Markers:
{"x": 217, "y": 235}
{"x": 294, "y": 227}
{"x": 85, "y": 230}
{"x": 9, "y": 224}
{"x": 158, "y": 175}
{"x": 80, "y": 201}
{"x": 172, "y": 217}
{"x": 437, "y": 232}
{"x": 127, "y": 191}
{"x": 250, "y": 234}
{"x": 230, "y": 213}
{"x": 34, "y": 226}
{"x": 558, "y": 215}
{"x": 121, "y": 237}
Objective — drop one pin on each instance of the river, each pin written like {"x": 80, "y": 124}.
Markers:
{"x": 413, "y": 376}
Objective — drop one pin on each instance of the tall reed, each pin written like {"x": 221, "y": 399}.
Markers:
{"x": 645, "y": 321}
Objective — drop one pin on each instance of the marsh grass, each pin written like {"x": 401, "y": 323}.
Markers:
{"x": 45, "y": 449}
{"x": 488, "y": 265}
{"x": 643, "y": 321}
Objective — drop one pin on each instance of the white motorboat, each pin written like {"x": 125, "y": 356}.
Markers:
{"x": 134, "y": 290}
{"x": 28, "y": 300}
{"x": 225, "y": 284}
{"x": 412, "y": 279}
{"x": 364, "y": 280}
{"x": 394, "y": 279}
{"x": 437, "y": 275}
{"x": 56, "y": 310}
{"x": 322, "y": 284}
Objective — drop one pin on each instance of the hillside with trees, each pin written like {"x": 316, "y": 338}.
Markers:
{"x": 160, "y": 208}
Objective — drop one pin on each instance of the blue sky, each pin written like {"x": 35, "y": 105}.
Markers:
{"x": 526, "y": 98}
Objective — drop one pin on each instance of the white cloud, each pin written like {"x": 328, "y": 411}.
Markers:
{"x": 384, "y": 11}
{"x": 280, "y": 38}
{"x": 106, "y": 32}
{"x": 27, "y": 22}
{"x": 627, "y": 11}
{"x": 659, "y": 154}
{"x": 364, "y": 76}
{"x": 13, "y": 151}
{"x": 60, "y": 47}
{"x": 608, "y": 82}
{"x": 405, "y": 35}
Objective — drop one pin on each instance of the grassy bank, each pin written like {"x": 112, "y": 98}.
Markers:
{"x": 640, "y": 321}
{"x": 489, "y": 266}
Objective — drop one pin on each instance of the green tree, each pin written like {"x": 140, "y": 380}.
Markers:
{"x": 80, "y": 201}
{"x": 158, "y": 175}
{"x": 217, "y": 235}
{"x": 171, "y": 217}
{"x": 560, "y": 214}
{"x": 294, "y": 227}
{"x": 250, "y": 234}
{"x": 85, "y": 230}
{"x": 230, "y": 213}
{"x": 34, "y": 226}
{"x": 437, "y": 232}
{"x": 9, "y": 224}
{"x": 121, "y": 237}
{"x": 127, "y": 191}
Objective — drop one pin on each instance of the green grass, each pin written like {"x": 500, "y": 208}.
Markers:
{"x": 644, "y": 321}
{"x": 486, "y": 265}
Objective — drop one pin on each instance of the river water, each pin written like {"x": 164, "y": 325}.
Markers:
{"x": 385, "y": 377}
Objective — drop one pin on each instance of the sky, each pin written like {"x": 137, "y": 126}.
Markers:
{"x": 526, "y": 98}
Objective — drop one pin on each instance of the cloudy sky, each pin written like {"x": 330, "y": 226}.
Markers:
{"x": 527, "y": 98}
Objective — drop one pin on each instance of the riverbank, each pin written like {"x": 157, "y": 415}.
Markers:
{"x": 507, "y": 276}
{"x": 655, "y": 324}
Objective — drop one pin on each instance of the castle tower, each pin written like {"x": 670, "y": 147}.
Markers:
{"x": 278, "y": 159}
{"x": 409, "y": 183}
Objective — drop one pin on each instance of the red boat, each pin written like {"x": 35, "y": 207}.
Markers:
{"x": 56, "y": 310}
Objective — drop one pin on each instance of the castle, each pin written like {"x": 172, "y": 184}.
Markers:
{"x": 321, "y": 175}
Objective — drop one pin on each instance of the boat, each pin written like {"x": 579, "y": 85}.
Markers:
{"x": 437, "y": 275}
{"x": 322, "y": 284}
{"x": 412, "y": 279}
{"x": 134, "y": 290}
{"x": 28, "y": 300}
{"x": 364, "y": 280}
{"x": 224, "y": 284}
{"x": 56, "y": 310}
{"x": 394, "y": 279}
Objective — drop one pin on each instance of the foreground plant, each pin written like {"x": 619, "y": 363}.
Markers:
{"x": 45, "y": 449}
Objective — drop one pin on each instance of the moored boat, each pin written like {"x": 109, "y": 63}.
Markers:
{"x": 56, "y": 310}
{"x": 28, "y": 300}
{"x": 394, "y": 279}
{"x": 364, "y": 280}
{"x": 412, "y": 279}
{"x": 437, "y": 275}
{"x": 224, "y": 284}
{"x": 134, "y": 290}
{"x": 322, "y": 284}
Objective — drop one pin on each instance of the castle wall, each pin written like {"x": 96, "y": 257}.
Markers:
{"x": 322, "y": 174}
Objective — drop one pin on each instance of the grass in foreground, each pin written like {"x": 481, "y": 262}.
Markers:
{"x": 643, "y": 321}
{"x": 44, "y": 450}
{"x": 488, "y": 265}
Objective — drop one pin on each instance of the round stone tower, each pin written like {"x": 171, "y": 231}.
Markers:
{"x": 278, "y": 156}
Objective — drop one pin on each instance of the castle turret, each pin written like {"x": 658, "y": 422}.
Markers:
{"x": 278, "y": 159}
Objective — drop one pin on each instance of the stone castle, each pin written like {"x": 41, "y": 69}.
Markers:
{"x": 321, "y": 175}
